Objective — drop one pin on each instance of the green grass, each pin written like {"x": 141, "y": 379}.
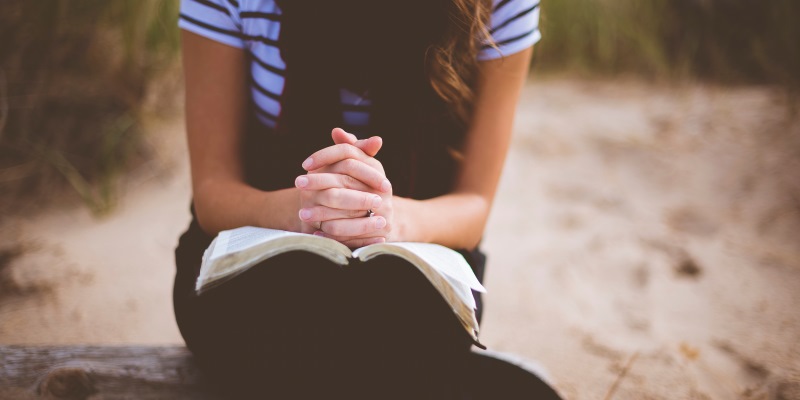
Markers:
{"x": 728, "y": 42}
{"x": 73, "y": 77}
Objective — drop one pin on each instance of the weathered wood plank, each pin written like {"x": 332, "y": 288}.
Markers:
{"x": 99, "y": 372}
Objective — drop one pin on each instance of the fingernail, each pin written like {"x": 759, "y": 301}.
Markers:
{"x": 376, "y": 202}
{"x": 352, "y": 136}
{"x": 305, "y": 214}
{"x": 319, "y": 233}
{"x": 386, "y": 186}
{"x": 301, "y": 181}
{"x": 307, "y": 163}
{"x": 380, "y": 222}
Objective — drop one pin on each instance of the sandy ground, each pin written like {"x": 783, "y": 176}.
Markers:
{"x": 644, "y": 242}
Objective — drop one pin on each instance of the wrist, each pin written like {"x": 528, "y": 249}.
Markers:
{"x": 228, "y": 204}
{"x": 404, "y": 216}
{"x": 277, "y": 209}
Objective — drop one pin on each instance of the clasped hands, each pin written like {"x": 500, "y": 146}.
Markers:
{"x": 345, "y": 181}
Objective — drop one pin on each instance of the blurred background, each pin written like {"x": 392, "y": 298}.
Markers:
{"x": 645, "y": 241}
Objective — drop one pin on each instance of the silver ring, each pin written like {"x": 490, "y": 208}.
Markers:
{"x": 370, "y": 213}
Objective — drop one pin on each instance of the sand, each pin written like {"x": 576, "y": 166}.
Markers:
{"x": 644, "y": 241}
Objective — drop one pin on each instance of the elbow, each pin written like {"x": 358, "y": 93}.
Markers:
{"x": 204, "y": 217}
{"x": 203, "y": 207}
{"x": 474, "y": 240}
{"x": 480, "y": 215}
{"x": 473, "y": 243}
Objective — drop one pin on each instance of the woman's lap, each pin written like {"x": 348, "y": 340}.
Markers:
{"x": 298, "y": 326}
{"x": 298, "y": 323}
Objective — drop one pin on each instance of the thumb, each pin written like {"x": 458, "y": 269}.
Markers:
{"x": 339, "y": 136}
{"x": 369, "y": 146}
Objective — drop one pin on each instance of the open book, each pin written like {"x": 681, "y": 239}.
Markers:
{"x": 234, "y": 251}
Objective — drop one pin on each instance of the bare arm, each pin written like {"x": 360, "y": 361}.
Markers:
{"x": 458, "y": 219}
{"x": 216, "y": 102}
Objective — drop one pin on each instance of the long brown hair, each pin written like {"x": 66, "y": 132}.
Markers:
{"x": 452, "y": 64}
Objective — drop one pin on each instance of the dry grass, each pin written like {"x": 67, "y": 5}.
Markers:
{"x": 723, "y": 41}
{"x": 73, "y": 78}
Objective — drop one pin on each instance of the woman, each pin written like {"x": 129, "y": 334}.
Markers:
{"x": 269, "y": 84}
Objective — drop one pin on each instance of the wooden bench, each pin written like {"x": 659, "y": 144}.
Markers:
{"x": 119, "y": 372}
{"x": 99, "y": 372}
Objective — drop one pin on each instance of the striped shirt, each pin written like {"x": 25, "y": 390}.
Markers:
{"x": 253, "y": 25}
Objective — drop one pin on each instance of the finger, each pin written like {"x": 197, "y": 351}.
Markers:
{"x": 348, "y": 199}
{"x": 328, "y": 180}
{"x": 357, "y": 170}
{"x": 321, "y": 213}
{"x": 332, "y": 154}
{"x": 369, "y": 161}
{"x": 353, "y": 227}
{"x": 377, "y": 236}
{"x": 374, "y": 163}
{"x": 356, "y": 243}
{"x": 369, "y": 146}
{"x": 340, "y": 136}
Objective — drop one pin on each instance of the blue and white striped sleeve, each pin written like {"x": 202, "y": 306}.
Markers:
{"x": 215, "y": 19}
{"x": 514, "y": 27}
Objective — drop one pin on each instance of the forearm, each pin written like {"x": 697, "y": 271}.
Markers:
{"x": 458, "y": 219}
{"x": 226, "y": 204}
{"x": 455, "y": 220}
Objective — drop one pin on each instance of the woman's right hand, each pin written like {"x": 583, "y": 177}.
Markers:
{"x": 343, "y": 183}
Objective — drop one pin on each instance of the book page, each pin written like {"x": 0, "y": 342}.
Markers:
{"x": 234, "y": 251}
{"x": 443, "y": 259}
{"x": 463, "y": 291}
{"x": 236, "y": 240}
